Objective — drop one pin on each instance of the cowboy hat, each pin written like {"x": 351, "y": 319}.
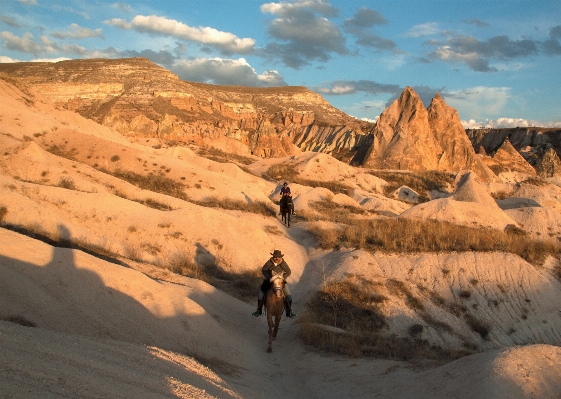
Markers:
{"x": 277, "y": 254}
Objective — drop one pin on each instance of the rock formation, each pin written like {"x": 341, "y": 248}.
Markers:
{"x": 408, "y": 136}
{"x": 507, "y": 157}
{"x": 549, "y": 164}
{"x": 531, "y": 142}
{"x": 140, "y": 99}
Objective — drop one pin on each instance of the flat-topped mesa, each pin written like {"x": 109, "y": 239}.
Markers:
{"x": 410, "y": 137}
{"x": 141, "y": 99}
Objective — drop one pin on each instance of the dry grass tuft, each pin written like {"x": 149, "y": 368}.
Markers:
{"x": 421, "y": 182}
{"x": 244, "y": 286}
{"x": 3, "y": 212}
{"x": 67, "y": 182}
{"x": 287, "y": 172}
{"x": 395, "y": 235}
{"x": 355, "y": 307}
{"x": 156, "y": 183}
{"x": 217, "y": 155}
{"x": 258, "y": 207}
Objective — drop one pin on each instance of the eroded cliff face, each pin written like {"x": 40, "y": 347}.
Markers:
{"x": 140, "y": 99}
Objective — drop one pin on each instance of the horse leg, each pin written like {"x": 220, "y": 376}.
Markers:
{"x": 288, "y": 217}
{"x": 277, "y": 322}
{"x": 270, "y": 322}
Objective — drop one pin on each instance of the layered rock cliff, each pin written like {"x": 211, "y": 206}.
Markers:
{"x": 140, "y": 99}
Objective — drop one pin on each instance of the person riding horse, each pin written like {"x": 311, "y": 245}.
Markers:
{"x": 276, "y": 264}
{"x": 285, "y": 193}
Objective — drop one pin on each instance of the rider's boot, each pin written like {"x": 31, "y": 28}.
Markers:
{"x": 259, "y": 310}
{"x": 288, "y": 306}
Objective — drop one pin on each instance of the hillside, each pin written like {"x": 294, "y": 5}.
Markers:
{"x": 130, "y": 267}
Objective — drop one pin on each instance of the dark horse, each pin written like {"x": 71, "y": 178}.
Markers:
{"x": 274, "y": 304}
{"x": 287, "y": 208}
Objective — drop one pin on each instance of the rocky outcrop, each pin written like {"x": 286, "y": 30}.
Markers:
{"x": 508, "y": 158}
{"x": 458, "y": 153}
{"x": 549, "y": 164}
{"x": 530, "y": 142}
{"x": 410, "y": 137}
{"x": 402, "y": 137}
{"x": 140, "y": 99}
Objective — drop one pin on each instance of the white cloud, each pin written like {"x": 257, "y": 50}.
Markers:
{"x": 224, "y": 41}
{"x": 338, "y": 89}
{"x": 477, "y": 101}
{"x": 24, "y": 44}
{"x": 50, "y": 59}
{"x": 226, "y": 72}
{"x": 30, "y": 2}
{"x": 78, "y": 32}
{"x": 7, "y": 60}
{"x": 430, "y": 28}
{"x": 506, "y": 123}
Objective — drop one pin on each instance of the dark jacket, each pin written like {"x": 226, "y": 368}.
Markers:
{"x": 270, "y": 266}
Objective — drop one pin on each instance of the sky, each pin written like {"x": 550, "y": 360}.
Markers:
{"x": 498, "y": 62}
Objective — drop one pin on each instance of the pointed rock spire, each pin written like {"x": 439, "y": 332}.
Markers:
{"x": 408, "y": 136}
{"x": 508, "y": 157}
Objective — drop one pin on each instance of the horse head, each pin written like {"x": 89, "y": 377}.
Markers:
{"x": 277, "y": 283}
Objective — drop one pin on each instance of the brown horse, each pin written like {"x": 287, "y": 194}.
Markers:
{"x": 274, "y": 306}
{"x": 287, "y": 208}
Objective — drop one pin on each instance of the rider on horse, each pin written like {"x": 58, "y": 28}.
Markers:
{"x": 276, "y": 264}
{"x": 285, "y": 193}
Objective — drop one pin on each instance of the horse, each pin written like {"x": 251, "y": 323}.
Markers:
{"x": 274, "y": 305}
{"x": 287, "y": 207}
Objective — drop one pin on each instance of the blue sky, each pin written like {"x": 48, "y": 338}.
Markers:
{"x": 496, "y": 61}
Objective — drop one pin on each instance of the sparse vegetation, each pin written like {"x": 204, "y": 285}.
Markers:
{"x": 3, "y": 212}
{"x": 287, "y": 172}
{"x": 421, "y": 182}
{"x": 223, "y": 157}
{"x": 535, "y": 181}
{"x": 156, "y": 183}
{"x": 403, "y": 235}
{"x": 477, "y": 325}
{"x": 244, "y": 286}
{"x": 355, "y": 308}
{"x": 67, "y": 182}
{"x": 115, "y": 158}
{"x": 258, "y": 207}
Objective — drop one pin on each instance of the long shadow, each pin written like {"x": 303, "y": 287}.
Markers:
{"x": 68, "y": 298}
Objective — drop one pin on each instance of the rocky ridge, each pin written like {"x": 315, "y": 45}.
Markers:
{"x": 139, "y": 99}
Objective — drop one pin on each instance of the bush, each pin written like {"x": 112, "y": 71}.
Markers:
{"x": 115, "y": 158}
{"x": 3, "y": 212}
{"x": 67, "y": 182}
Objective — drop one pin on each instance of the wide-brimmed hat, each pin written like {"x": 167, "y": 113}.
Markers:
{"x": 277, "y": 254}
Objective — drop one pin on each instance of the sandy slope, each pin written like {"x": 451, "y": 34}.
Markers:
{"x": 128, "y": 329}
{"x": 95, "y": 320}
